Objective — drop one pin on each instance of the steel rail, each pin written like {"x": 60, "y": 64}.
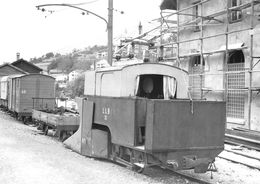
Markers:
{"x": 246, "y": 142}
{"x": 237, "y": 162}
{"x": 242, "y": 154}
{"x": 189, "y": 177}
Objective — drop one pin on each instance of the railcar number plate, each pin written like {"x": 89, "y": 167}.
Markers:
{"x": 106, "y": 112}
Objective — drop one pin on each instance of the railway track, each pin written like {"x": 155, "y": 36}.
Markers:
{"x": 191, "y": 178}
{"x": 247, "y": 158}
{"x": 176, "y": 173}
{"x": 243, "y": 138}
{"x": 242, "y": 141}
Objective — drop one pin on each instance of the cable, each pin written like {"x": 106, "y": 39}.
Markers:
{"x": 88, "y": 2}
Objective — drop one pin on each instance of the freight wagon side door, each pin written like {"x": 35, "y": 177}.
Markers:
{"x": 17, "y": 95}
{"x": 27, "y": 88}
{"x": 9, "y": 92}
{"x": 13, "y": 95}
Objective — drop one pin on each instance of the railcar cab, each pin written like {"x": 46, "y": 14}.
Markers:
{"x": 146, "y": 80}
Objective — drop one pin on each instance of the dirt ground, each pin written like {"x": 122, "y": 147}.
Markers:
{"x": 28, "y": 157}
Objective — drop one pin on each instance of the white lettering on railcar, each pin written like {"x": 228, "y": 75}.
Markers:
{"x": 106, "y": 112}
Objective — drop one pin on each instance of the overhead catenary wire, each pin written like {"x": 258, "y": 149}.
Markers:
{"x": 84, "y": 3}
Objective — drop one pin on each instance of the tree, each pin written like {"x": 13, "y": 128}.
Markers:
{"x": 57, "y": 55}
{"x": 76, "y": 87}
{"x": 49, "y": 55}
{"x": 75, "y": 60}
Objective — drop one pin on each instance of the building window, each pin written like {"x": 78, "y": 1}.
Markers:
{"x": 196, "y": 15}
{"x": 235, "y": 85}
{"x": 235, "y": 15}
{"x": 196, "y": 61}
{"x": 196, "y": 78}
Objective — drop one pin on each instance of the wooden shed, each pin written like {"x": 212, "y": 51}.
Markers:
{"x": 24, "y": 88}
{"x": 151, "y": 80}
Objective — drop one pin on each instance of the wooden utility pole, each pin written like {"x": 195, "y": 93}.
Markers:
{"x": 110, "y": 33}
{"x": 140, "y": 31}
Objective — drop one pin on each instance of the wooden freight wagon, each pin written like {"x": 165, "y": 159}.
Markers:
{"x": 3, "y": 91}
{"x": 22, "y": 90}
{"x": 64, "y": 124}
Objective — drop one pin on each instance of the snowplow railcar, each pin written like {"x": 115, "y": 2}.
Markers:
{"x": 140, "y": 115}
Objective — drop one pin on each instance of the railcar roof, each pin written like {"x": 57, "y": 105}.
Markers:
{"x": 117, "y": 68}
{"x": 26, "y": 75}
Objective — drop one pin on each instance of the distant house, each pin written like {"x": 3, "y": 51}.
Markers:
{"x": 8, "y": 69}
{"x": 82, "y": 57}
{"x": 101, "y": 55}
{"x": 100, "y": 64}
{"x": 26, "y": 66}
{"x": 74, "y": 74}
{"x": 43, "y": 66}
{"x": 60, "y": 77}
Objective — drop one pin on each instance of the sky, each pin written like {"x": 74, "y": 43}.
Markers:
{"x": 34, "y": 33}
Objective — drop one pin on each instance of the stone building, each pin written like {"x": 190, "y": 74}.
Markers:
{"x": 218, "y": 42}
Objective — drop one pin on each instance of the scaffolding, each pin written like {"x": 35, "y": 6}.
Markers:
{"x": 231, "y": 90}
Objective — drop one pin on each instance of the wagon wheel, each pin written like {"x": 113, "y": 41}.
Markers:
{"x": 40, "y": 126}
{"x": 46, "y": 128}
{"x": 25, "y": 120}
{"x": 114, "y": 153}
{"x": 63, "y": 135}
{"x": 136, "y": 158}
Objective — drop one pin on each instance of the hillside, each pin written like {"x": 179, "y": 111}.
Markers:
{"x": 77, "y": 59}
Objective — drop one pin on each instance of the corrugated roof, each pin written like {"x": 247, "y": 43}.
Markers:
{"x": 12, "y": 66}
{"x": 24, "y": 61}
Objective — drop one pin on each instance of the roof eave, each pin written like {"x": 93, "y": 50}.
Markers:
{"x": 16, "y": 68}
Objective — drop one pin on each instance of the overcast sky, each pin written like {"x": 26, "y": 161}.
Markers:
{"x": 33, "y": 33}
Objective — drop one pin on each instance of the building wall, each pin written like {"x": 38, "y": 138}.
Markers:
{"x": 214, "y": 63}
{"x": 74, "y": 75}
